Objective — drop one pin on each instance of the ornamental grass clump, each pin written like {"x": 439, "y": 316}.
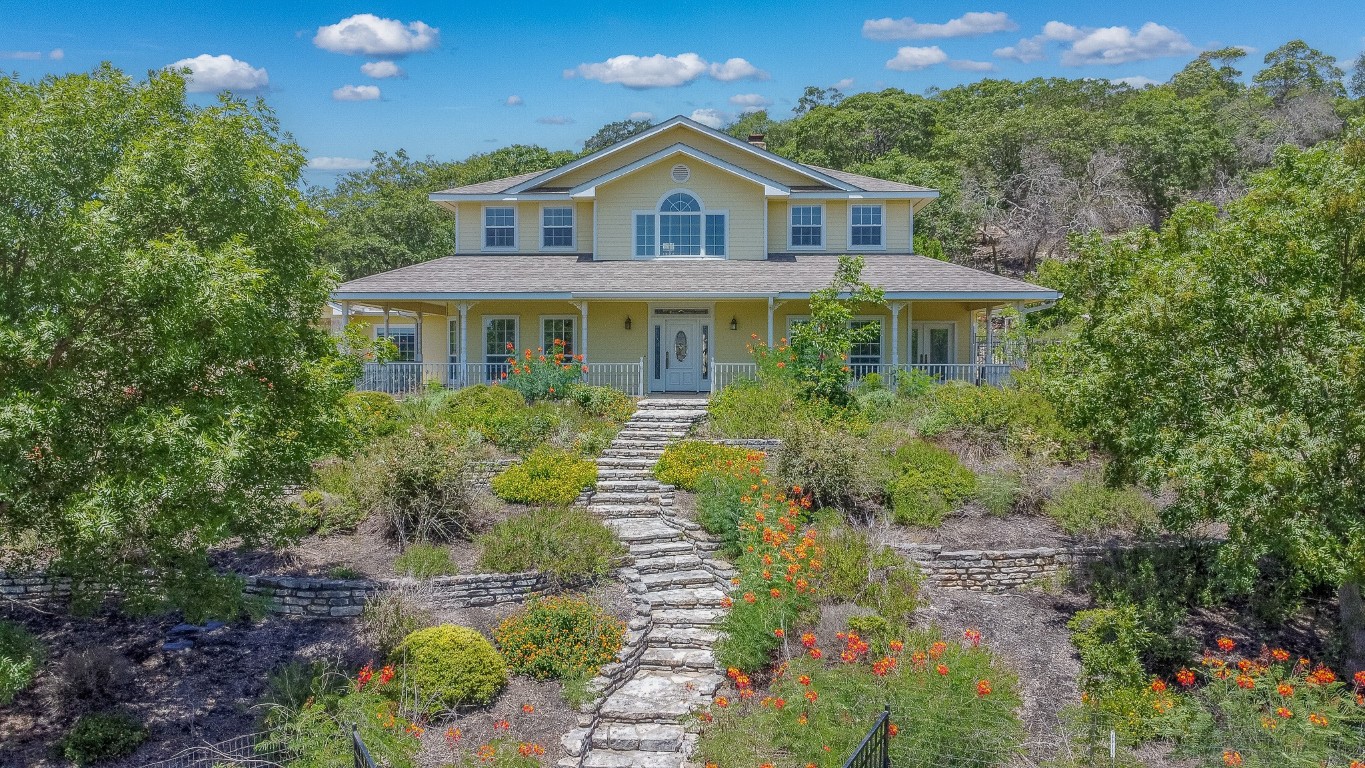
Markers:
{"x": 684, "y": 464}
{"x": 951, "y": 705}
{"x": 569, "y": 544}
{"x": 20, "y": 656}
{"x": 450, "y": 666}
{"x": 1089, "y": 506}
{"x": 548, "y": 476}
{"x": 559, "y": 637}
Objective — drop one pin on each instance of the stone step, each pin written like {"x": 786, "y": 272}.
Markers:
{"x": 608, "y": 511}
{"x": 684, "y": 560}
{"x": 682, "y": 637}
{"x": 687, "y": 617}
{"x": 627, "y": 462}
{"x": 634, "y": 484}
{"x": 645, "y": 737}
{"x": 641, "y": 453}
{"x": 659, "y": 696}
{"x": 608, "y": 758}
{"x": 704, "y": 597}
{"x": 672, "y": 579}
{"x": 614, "y": 496}
{"x": 643, "y": 529}
{"x": 692, "y": 659}
{"x": 654, "y": 549}
{"x": 623, "y": 474}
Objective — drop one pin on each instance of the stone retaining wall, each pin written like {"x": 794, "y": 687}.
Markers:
{"x": 996, "y": 570}
{"x": 36, "y": 588}
{"x": 765, "y": 444}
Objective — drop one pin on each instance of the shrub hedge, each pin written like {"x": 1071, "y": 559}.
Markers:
{"x": 559, "y": 637}
{"x": 547, "y": 476}
{"x": 683, "y": 464}
{"x": 568, "y": 543}
{"x": 20, "y": 656}
{"x": 449, "y": 666}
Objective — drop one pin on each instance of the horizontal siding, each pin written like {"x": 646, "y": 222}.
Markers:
{"x": 678, "y": 134}
{"x": 718, "y": 190}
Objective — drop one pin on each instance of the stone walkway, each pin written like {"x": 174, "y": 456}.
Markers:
{"x": 641, "y": 724}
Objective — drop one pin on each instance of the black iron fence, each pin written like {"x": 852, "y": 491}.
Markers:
{"x": 251, "y": 750}
{"x": 362, "y": 757}
{"x": 875, "y": 749}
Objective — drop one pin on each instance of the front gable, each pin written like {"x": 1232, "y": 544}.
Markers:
{"x": 680, "y": 130}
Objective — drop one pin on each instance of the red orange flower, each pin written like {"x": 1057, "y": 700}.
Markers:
{"x": 527, "y": 708}
{"x": 1284, "y": 689}
{"x": 1279, "y": 654}
{"x": 1232, "y": 758}
{"x": 1284, "y": 712}
{"x": 1158, "y": 686}
{"x": 811, "y": 695}
{"x": 942, "y": 669}
{"x": 1317, "y": 719}
{"x": 1185, "y": 677}
{"x": 983, "y": 688}
{"x": 1225, "y": 644}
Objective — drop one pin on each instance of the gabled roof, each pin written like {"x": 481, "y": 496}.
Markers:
{"x": 573, "y": 276}
{"x": 871, "y": 183}
{"x": 770, "y": 187}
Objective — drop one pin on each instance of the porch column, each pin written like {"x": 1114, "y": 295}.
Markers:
{"x": 463, "y": 309}
{"x": 583, "y": 347}
{"x": 895, "y": 337}
{"x": 770, "y": 320}
{"x": 990, "y": 336}
{"x": 910, "y": 331}
{"x": 345, "y": 315}
{"x": 417, "y": 323}
{"x": 386, "y": 322}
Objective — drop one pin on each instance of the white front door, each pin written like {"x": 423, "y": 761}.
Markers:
{"x": 682, "y": 355}
{"x": 932, "y": 344}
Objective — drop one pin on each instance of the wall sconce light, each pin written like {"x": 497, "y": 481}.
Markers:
{"x": 734, "y": 324}
{"x": 627, "y": 322}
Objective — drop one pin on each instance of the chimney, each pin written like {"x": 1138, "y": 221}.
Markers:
{"x": 757, "y": 140}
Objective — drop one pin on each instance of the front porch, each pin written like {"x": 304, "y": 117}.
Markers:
{"x": 648, "y": 347}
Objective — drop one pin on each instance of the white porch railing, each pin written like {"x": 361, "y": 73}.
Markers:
{"x": 723, "y": 374}
{"x": 406, "y": 378}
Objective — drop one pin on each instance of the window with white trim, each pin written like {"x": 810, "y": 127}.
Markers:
{"x": 557, "y": 328}
{"x": 453, "y": 339}
{"x": 499, "y": 343}
{"x": 807, "y": 226}
{"x": 404, "y": 337}
{"x": 866, "y": 355}
{"x": 556, "y": 227}
{"x": 500, "y": 227}
{"x": 680, "y": 227}
{"x": 866, "y": 225}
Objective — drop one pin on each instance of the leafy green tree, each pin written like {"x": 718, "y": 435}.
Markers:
{"x": 1225, "y": 358}
{"x": 612, "y": 133}
{"x": 1172, "y": 147}
{"x": 862, "y": 128}
{"x": 821, "y": 345}
{"x": 1294, "y": 68}
{"x": 1202, "y": 78}
{"x": 815, "y": 96}
{"x": 163, "y": 374}
{"x": 1356, "y": 84}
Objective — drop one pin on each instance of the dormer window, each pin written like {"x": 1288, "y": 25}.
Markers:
{"x": 556, "y": 228}
{"x": 680, "y": 227}
{"x": 865, "y": 226}
{"x": 807, "y": 226}
{"x": 500, "y": 228}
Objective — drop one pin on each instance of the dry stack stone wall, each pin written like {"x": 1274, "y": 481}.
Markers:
{"x": 997, "y": 570}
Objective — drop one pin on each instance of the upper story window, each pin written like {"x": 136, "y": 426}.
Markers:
{"x": 866, "y": 226}
{"x": 500, "y": 227}
{"x": 681, "y": 227}
{"x": 556, "y": 227}
{"x": 807, "y": 226}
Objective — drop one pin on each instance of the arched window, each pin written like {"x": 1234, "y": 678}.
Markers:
{"x": 683, "y": 227}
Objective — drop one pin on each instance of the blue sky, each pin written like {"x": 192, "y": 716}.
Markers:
{"x": 452, "y": 78}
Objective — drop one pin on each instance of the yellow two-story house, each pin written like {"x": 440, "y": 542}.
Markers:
{"x": 662, "y": 258}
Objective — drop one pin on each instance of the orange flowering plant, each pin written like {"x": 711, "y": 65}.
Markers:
{"x": 558, "y": 637}
{"x": 501, "y": 744}
{"x": 546, "y": 374}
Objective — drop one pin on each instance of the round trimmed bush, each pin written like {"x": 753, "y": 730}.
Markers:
{"x": 547, "y": 476}
{"x": 558, "y": 637}
{"x": 449, "y": 666}
{"x": 369, "y": 414}
{"x": 102, "y": 736}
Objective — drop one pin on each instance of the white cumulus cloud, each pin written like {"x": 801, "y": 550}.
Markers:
{"x": 356, "y": 93}
{"x": 56, "y": 54}
{"x": 337, "y": 164}
{"x": 22, "y": 55}
{"x": 1136, "y": 81}
{"x": 514, "y": 101}
{"x": 750, "y": 102}
{"x": 1120, "y": 45}
{"x": 844, "y": 84}
{"x": 555, "y": 120}
{"x": 641, "y": 116}
{"x": 216, "y": 73}
{"x": 368, "y": 35}
{"x": 736, "y": 69}
{"x": 966, "y": 25}
{"x": 909, "y": 58}
{"x": 709, "y": 117}
{"x": 967, "y": 65}
{"x": 382, "y": 69}
{"x": 660, "y": 71}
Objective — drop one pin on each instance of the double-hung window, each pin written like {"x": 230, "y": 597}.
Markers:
{"x": 404, "y": 337}
{"x": 500, "y": 227}
{"x": 559, "y": 329}
{"x": 680, "y": 227}
{"x": 866, "y": 226}
{"x": 807, "y": 226}
{"x": 499, "y": 343}
{"x": 865, "y": 356}
{"x": 556, "y": 227}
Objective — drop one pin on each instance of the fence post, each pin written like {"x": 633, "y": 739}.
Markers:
{"x": 886, "y": 736}
{"x": 642, "y": 377}
{"x": 715, "y": 374}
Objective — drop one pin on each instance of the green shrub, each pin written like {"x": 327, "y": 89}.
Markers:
{"x": 316, "y": 732}
{"x": 941, "y": 719}
{"x": 449, "y": 666}
{"x": 873, "y": 576}
{"x": 547, "y": 476}
{"x": 1089, "y": 506}
{"x": 423, "y": 561}
{"x": 500, "y": 416}
{"x": 876, "y": 403}
{"x": 558, "y": 637}
{"x": 749, "y": 409}
{"x": 997, "y": 492}
{"x": 290, "y": 686}
{"x": 603, "y": 402}
{"x": 567, "y": 543}
{"x": 913, "y": 384}
{"x": 872, "y": 382}
{"x": 344, "y": 573}
{"x": 683, "y": 464}
{"x": 546, "y": 374}
{"x": 927, "y": 483}
{"x": 994, "y": 418}
{"x": 102, "y": 736}
{"x": 720, "y": 506}
{"x": 337, "y": 501}
{"x": 390, "y": 616}
{"x": 832, "y": 466}
{"x": 20, "y": 656}
{"x": 420, "y": 481}
{"x": 747, "y": 639}
{"x": 369, "y": 415}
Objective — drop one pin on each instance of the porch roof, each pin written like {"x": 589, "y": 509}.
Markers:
{"x": 578, "y": 276}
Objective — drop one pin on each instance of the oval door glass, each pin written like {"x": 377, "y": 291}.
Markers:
{"x": 680, "y": 346}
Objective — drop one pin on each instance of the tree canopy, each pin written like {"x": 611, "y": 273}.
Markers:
{"x": 163, "y": 375}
